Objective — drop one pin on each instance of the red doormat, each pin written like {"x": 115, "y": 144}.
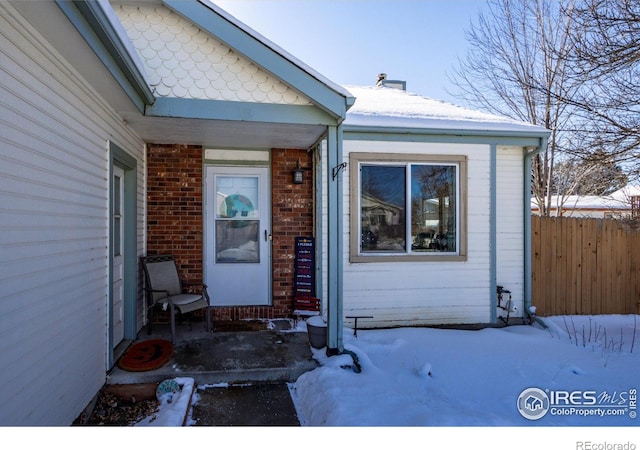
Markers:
{"x": 146, "y": 355}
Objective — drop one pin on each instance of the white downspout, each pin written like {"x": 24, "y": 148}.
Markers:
{"x": 527, "y": 226}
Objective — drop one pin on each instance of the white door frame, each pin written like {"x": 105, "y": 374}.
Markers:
{"x": 121, "y": 160}
{"x": 242, "y": 282}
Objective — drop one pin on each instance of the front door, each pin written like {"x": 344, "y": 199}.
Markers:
{"x": 117, "y": 222}
{"x": 238, "y": 236}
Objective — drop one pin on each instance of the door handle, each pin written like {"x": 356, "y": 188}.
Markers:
{"x": 267, "y": 236}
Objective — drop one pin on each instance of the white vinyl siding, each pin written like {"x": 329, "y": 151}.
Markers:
{"x": 423, "y": 292}
{"x": 54, "y": 178}
{"x": 510, "y": 224}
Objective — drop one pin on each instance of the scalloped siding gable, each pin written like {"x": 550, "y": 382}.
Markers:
{"x": 183, "y": 61}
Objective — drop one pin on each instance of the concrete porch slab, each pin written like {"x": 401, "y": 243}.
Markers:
{"x": 277, "y": 354}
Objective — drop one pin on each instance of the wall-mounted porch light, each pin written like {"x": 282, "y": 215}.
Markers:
{"x": 297, "y": 174}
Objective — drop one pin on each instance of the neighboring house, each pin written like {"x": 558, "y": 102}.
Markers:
{"x": 623, "y": 203}
{"x": 131, "y": 128}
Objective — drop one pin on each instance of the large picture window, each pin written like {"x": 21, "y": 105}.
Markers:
{"x": 407, "y": 207}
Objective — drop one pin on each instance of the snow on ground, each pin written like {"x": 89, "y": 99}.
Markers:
{"x": 174, "y": 405}
{"x": 571, "y": 385}
{"x": 588, "y": 368}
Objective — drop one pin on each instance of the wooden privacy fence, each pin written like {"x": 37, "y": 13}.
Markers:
{"x": 585, "y": 266}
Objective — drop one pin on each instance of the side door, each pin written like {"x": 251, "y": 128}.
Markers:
{"x": 117, "y": 282}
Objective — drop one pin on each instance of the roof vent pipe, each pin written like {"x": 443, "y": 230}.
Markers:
{"x": 395, "y": 84}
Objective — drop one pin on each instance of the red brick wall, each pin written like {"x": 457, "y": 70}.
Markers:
{"x": 174, "y": 206}
{"x": 292, "y": 216}
{"x": 175, "y": 219}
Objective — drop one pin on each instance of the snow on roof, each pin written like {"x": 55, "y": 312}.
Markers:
{"x": 389, "y": 107}
{"x": 591, "y": 202}
{"x": 619, "y": 199}
{"x": 626, "y": 192}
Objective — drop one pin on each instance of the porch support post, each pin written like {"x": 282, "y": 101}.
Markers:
{"x": 334, "y": 241}
{"x": 493, "y": 226}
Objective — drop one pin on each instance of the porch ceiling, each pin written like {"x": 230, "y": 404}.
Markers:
{"x": 222, "y": 133}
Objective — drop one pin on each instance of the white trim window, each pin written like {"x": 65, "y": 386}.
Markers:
{"x": 407, "y": 207}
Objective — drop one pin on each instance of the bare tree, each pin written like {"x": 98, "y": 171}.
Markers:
{"x": 519, "y": 66}
{"x": 598, "y": 174}
{"x": 608, "y": 54}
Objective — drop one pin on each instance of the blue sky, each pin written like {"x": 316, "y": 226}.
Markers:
{"x": 351, "y": 41}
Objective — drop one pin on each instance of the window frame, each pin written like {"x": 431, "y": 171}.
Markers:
{"x": 357, "y": 159}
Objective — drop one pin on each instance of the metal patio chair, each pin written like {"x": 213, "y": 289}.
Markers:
{"x": 165, "y": 288}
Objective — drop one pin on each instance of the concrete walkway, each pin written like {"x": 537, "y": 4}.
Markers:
{"x": 261, "y": 404}
{"x": 254, "y": 368}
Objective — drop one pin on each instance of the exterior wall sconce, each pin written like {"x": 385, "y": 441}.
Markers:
{"x": 297, "y": 174}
